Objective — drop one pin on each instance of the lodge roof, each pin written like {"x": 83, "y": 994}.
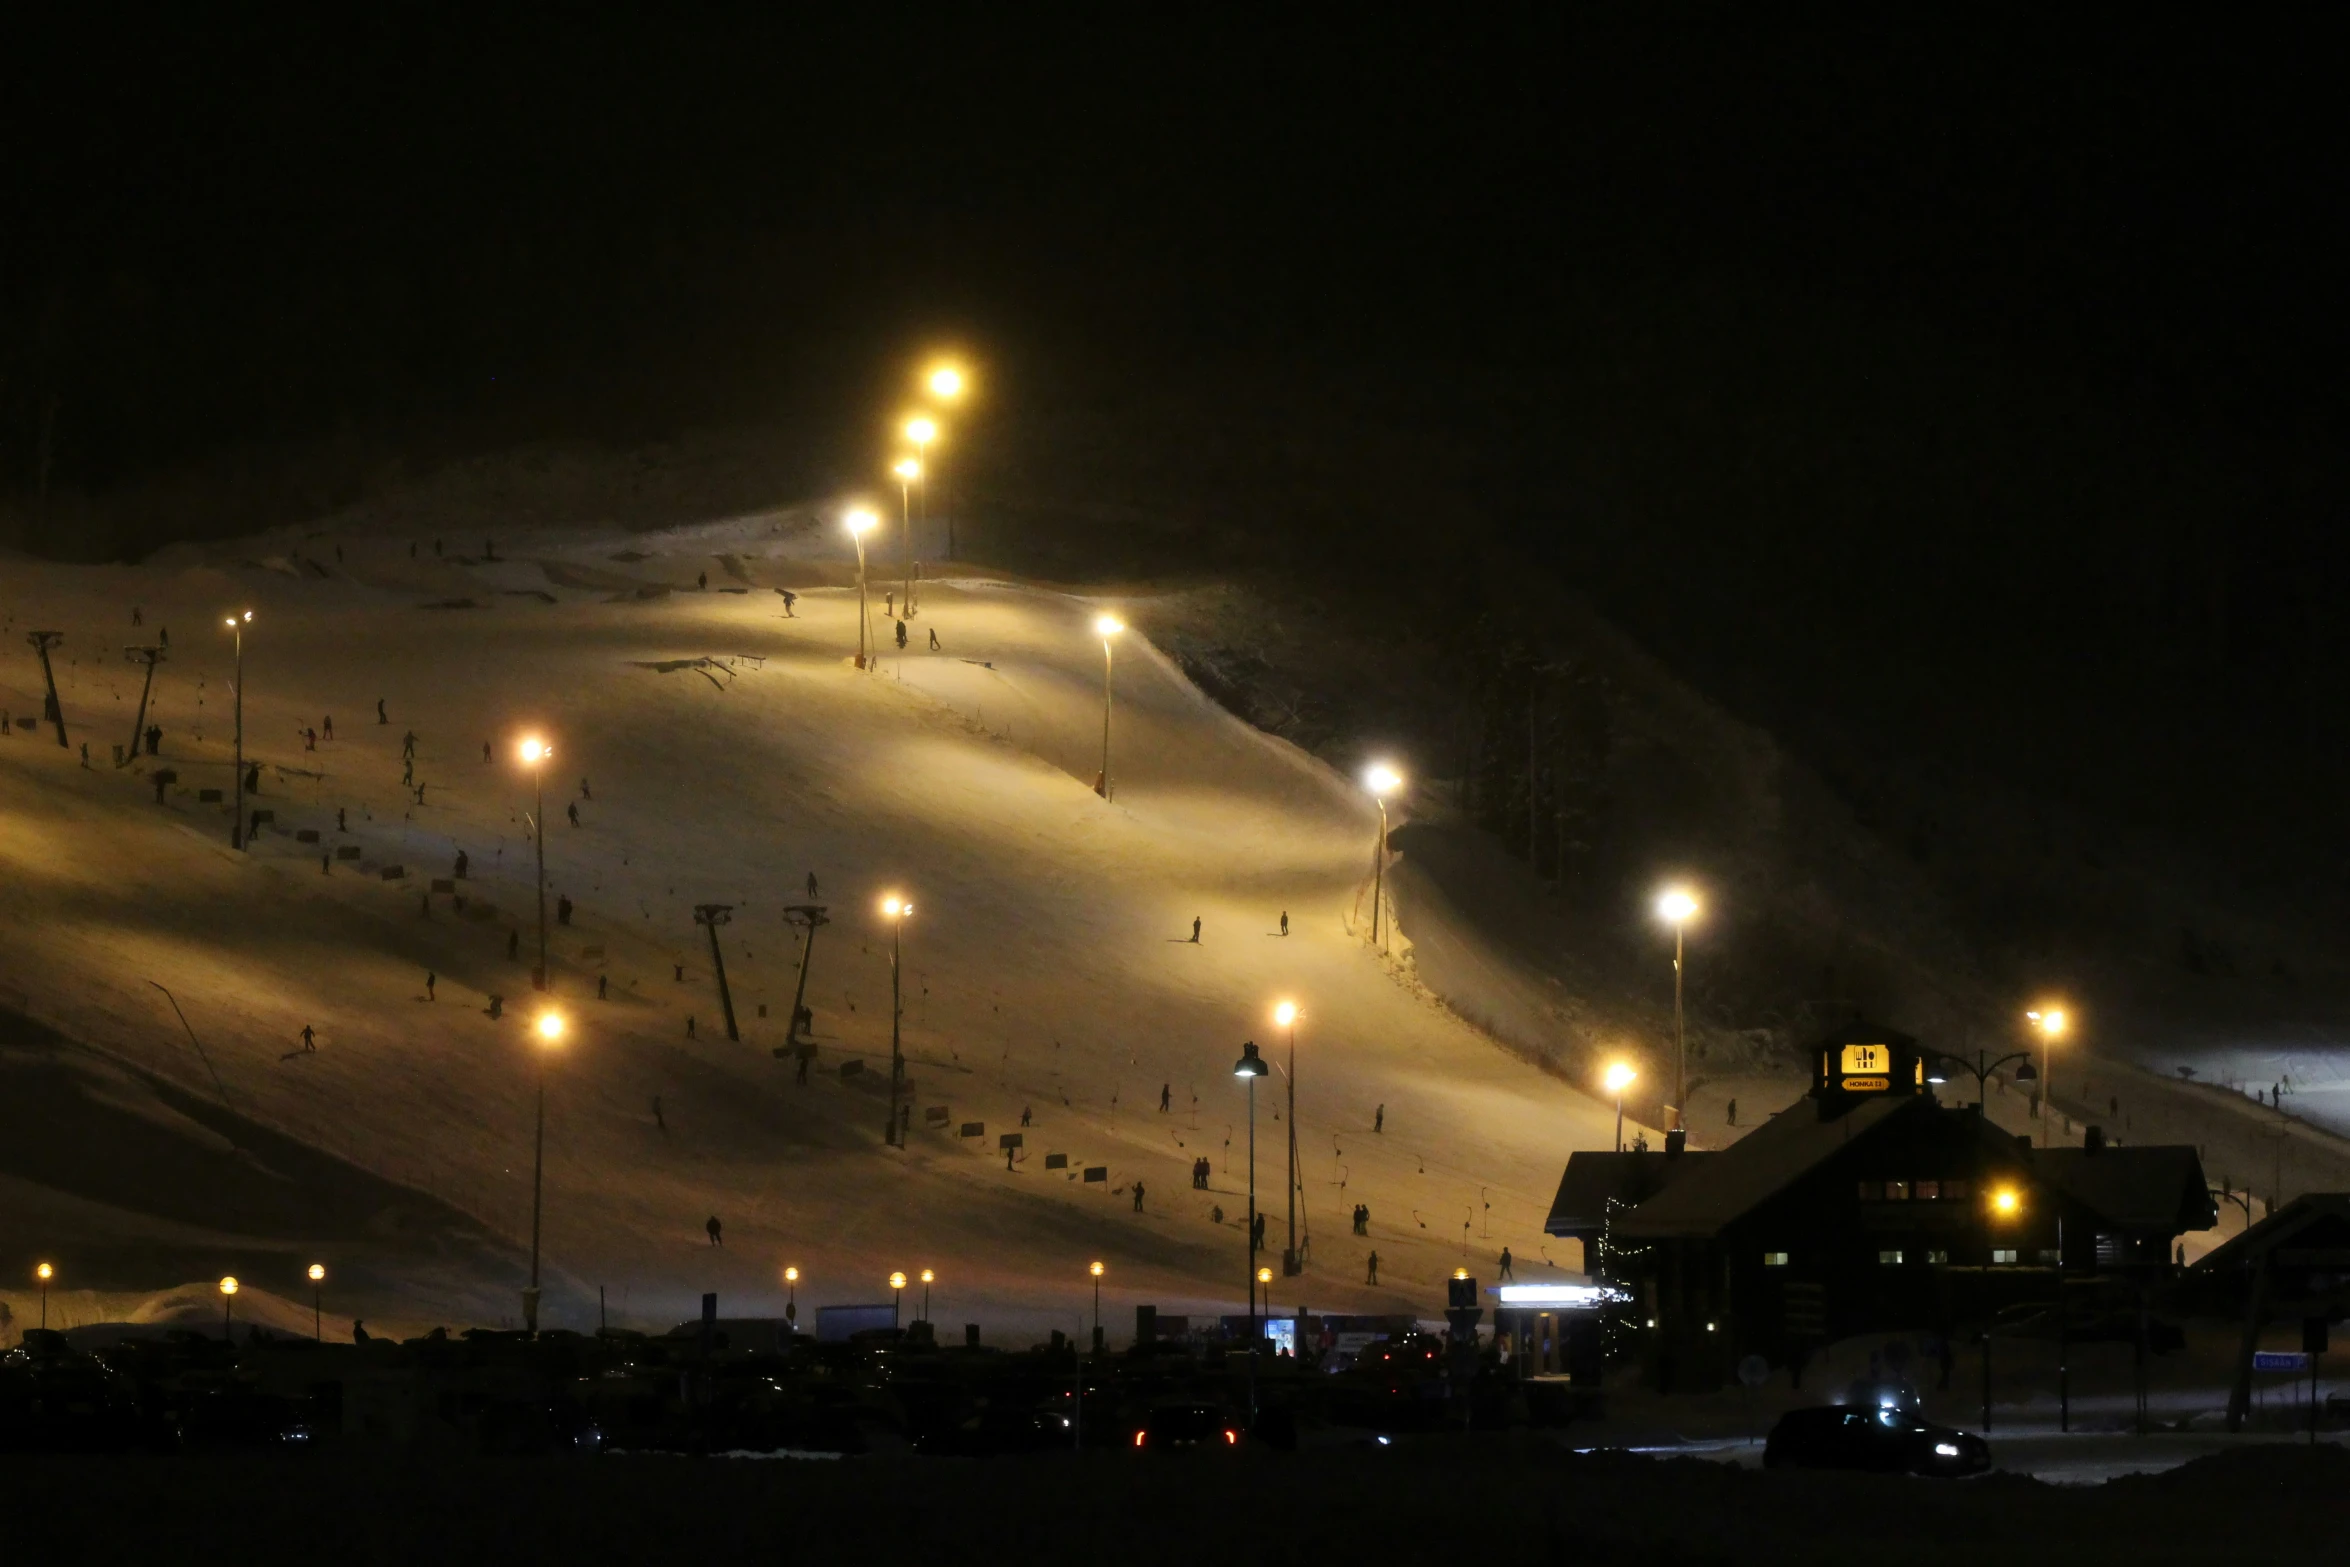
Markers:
{"x": 2293, "y": 1222}
{"x": 1592, "y": 1180}
{"x": 2158, "y": 1188}
{"x": 1757, "y": 1167}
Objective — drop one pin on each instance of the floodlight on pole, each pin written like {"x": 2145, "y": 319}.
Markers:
{"x": 907, "y": 470}
{"x": 897, "y": 910}
{"x": 236, "y": 826}
{"x": 549, "y": 1028}
{"x": 929, "y": 1277}
{"x": 536, "y": 753}
{"x": 791, "y": 1299}
{"x": 860, "y": 522}
{"x": 1677, "y": 906}
{"x": 44, "y": 1272}
{"x": 922, "y": 430}
{"x": 1382, "y": 780}
{"x": 316, "y": 1273}
{"x": 228, "y": 1293}
{"x": 1618, "y": 1077}
{"x": 1106, "y": 627}
{"x": 946, "y": 383}
{"x": 2052, "y": 1023}
{"x": 897, "y": 1292}
{"x": 1285, "y": 1015}
{"x": 1249, "y": 1068}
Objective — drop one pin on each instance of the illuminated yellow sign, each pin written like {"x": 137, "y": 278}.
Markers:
{"x": 1867, "y": 1058}
{"x": 1860, "y": 1085}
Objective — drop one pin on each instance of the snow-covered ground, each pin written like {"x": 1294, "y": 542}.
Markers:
{"x": 1048, "y": 968}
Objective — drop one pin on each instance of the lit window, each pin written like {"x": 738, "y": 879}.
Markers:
{"x": 1889, "y": 1259}
{"x": 1937, "y": 1258}
{"x": 1928, "y": 1191}
{"x": 1897, "y": 1191}
{"x": 1870, "y": 1191}
{"x": 2051, "y": 1257}
{"x": 1774, "y": 1259}
{"x": 2003, "y": 1254}
{"x": 1954, "y": 1191}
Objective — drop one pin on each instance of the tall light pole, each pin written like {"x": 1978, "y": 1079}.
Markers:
{"x": 929, "y": 1277}
{"x": 860, "y": 522}
{"x": 897, "y": 909}
{"x": 946, "y": 383}
{"x": 535, "y": 753}
{"x": 1619, "y": 1077}
{"x": 922, "y": 430}
{"x": 1096, "y": 1271}
{"x": 1677, "y": 906}
{"x": 907, "y": 470}
{"x": 549, "y": 1028}
{"x": 1250, "y": 1067}
{"x": 45, "y": 1273}
{"x": 1382, "y": 781}
{"x": 236, "y": 826}
{"x": 791, "y": 1299}
{"x": 228, "y": 1293}
{"x": 897, "y": 1293}
{"x": 2052, "y": 1024}
{"x": 1106, "y": 627}
{"x": 317, "y": 1276}
{"x": 1285, "y": 1016}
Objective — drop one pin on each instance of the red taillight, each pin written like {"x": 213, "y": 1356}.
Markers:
{"x": 1138, "y": 1439}
{"x": 1231, "y": 1438}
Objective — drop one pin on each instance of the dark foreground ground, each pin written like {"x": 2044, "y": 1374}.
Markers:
{"x": 1499, "y": 1501}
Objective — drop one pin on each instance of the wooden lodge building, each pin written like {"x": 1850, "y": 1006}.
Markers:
{"x": 1868, "y": 1206}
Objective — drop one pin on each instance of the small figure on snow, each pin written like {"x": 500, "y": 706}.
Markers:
{"x": 572, "y": 810}
{"x": 1195, "y": 930}
{"x": 713, "y": 1228}
{"x": 934, "y": 647}
{"x": 430, "y": 980}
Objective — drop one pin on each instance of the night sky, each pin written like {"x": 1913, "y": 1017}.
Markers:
{"x": 1966, "y": 384}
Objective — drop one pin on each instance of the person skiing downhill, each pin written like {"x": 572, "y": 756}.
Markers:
{"x": 713, "y": 1228}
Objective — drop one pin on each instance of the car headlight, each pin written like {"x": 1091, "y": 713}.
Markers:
{"x": 1946, "y": 1449}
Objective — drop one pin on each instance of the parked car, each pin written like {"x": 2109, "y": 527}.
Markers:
{"x": 1180, "y": 1423}
{"x": 1885, "y": 1441}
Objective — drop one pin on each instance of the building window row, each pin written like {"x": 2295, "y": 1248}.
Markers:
{"x": 1909, "y": 1191}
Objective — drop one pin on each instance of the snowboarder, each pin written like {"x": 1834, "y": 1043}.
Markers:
{"x": 658, "y": 1119}
{"x": 1195, "y": 930}
{"x": 1138, "y": 1196}
{"x": 934, "y": 647}
{"x": 1372, "y": 1276}
{"x": 572, "y": 810}
{"x": 309, "y": 1041}
{"x": 789, "y": 599}
{"x": 1284, "y": 922}
{"x": 1166, "y": 1099}
{"x": 602, "y": 981}
{"x": 713, "y": 1228}
{"x": 1505, "y": 1264}
{"x": 563, "y": 909}
{"x": 430, "y": 980}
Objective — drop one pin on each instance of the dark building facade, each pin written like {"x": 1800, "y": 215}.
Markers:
{"x": 1868, "y": 1206}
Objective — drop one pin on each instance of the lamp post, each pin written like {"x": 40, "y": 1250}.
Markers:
{"x": 1285, "y": 1016}
{"x": 1106, "y": 627}
{"x": 2002, "y": 1205}
{"x": 236, "y": 826}
{"x": 897, "y": 909}
{"x": 860, "y": 522}
{"x": 922, "y": 430}
{"x": 907, "y": 470}
{"x": 1619, "y": 1077}
{"x": 2052, "y": 1023}
{"x": 897, "y": 1293}
{"x": 1981, "y": 1070}
{"x": 535, "y": 753}
{"x": 1677, "y": 906}
{"x": 1250, "y": 1067}
{"x": 228, "y": 1293}
{"x": 946, "y": 383}
{"x": 928, "y": 1278}
{"x": 791, "y": 1299}
{"x": 1382, "y": 781}
{"x": 45, "y": 1273}
{"x": 1096, "y": 1270}
{"x": 317, "y": 1274}
{"x": 550, "y": 1031}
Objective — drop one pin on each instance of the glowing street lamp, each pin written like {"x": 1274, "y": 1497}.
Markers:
{"x": 860, "y": 522}
{"x": 550, "y": 1029}
{"x": 236, "y": 826}
{"x": 928, "y": 1278}
{"x": 228, "y": 1293}
{"x": 897, "y": 1292}
{"x": 44, "y": 1273}
{"x": 922, "y": 430}
{"x": 317, "y": 1276}
{"x": 1618, "y": 1077}
{"x": 1105, "y": 627}
{"x": 1285, "y": 1016}
{"x": 2052, "y": 1024}
{"x": 791, "y": 1302}
{"x": 947, "y": 383}
{"x": 1096, "y": 1270}
{"x": 1249, "y": 1068}
{"x": 907, "y": 470}
{"x": 897, "y": 909}
{"x": 535, "y": 753}
{"x": 1677, "y": 906}
{"x": 1382, "y": 780}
